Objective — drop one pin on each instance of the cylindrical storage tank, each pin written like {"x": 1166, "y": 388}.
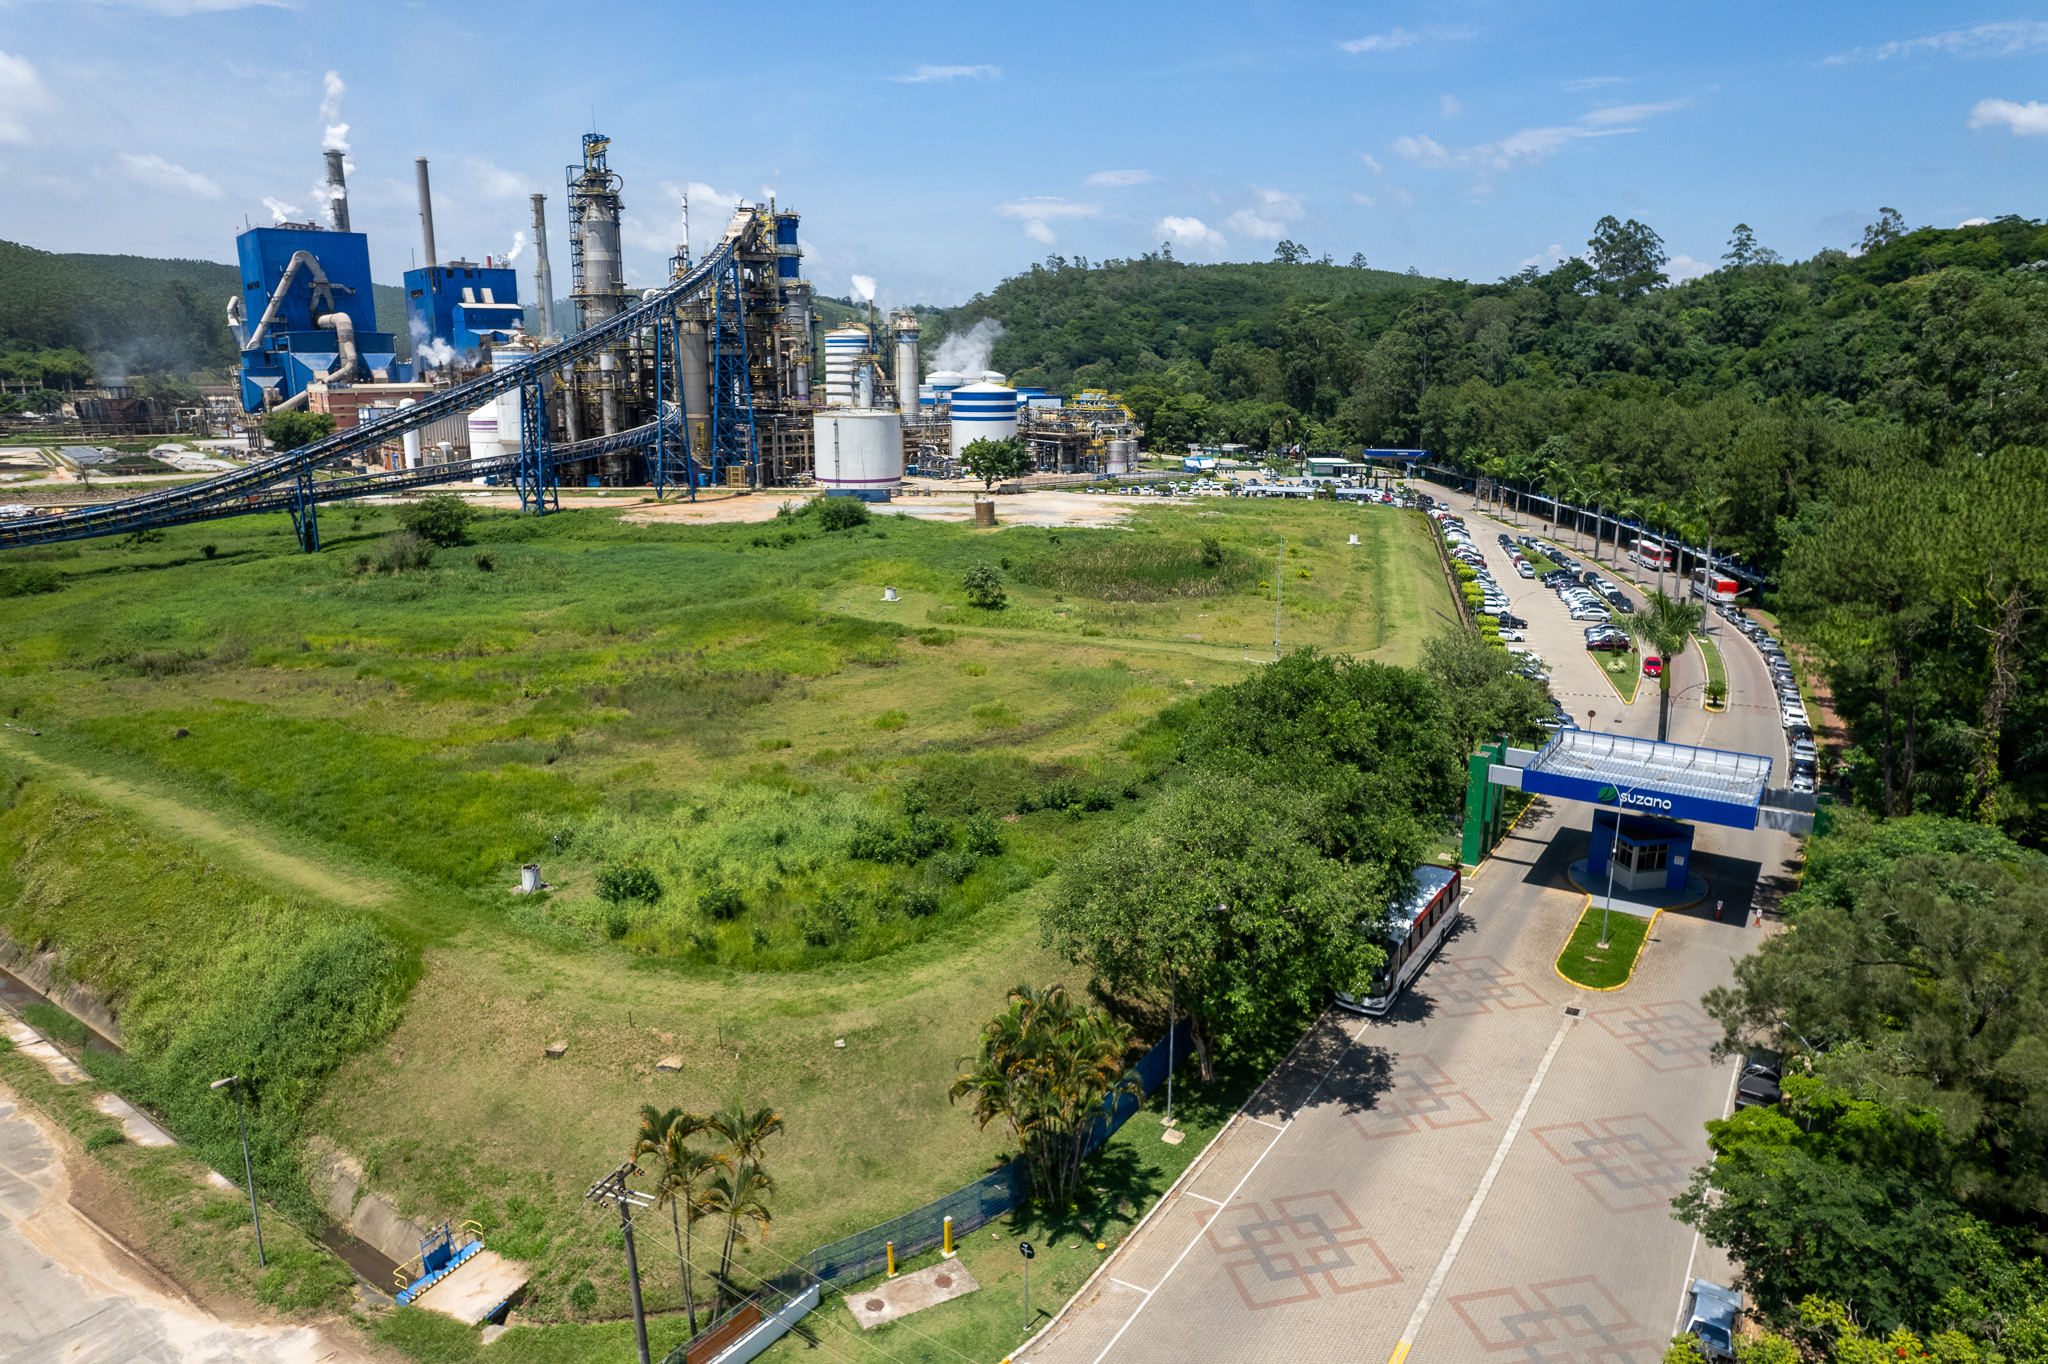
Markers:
{"x": 412, "y": 438}
{"x": 903, "y": 323}
{"x": 943, "y": 383}
{"x": 859, "y": 451}
{"x": 845, "y": 350}
{"x": 983, "y": 412}
{"x": 989, "y": 376}
{"x": 927, "y": 398}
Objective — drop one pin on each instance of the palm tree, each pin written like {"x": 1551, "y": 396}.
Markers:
{"x": 745, "y": 1182}
{"x": 1665, "y": 625}
{"x": 742, "y": 1191}
{"x": 681, "y": 1184}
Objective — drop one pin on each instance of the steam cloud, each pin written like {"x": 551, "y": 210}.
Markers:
{"x": 968, "y": 352}
{"x": 864, "y": 288}
{"x": 429, "y": 351}
{"x": 330, "y": 112}
{"x": 280, "y": 211}
{"x": 518, "y": 245}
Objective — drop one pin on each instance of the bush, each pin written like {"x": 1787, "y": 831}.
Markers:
{"x": 616, "y": 923}
{"x": 485, "y": 561}
{"x": 1098, "y": 798}
{"x": 442, "y": 518}
{"x": 721, "y": 902}
{"x": 26, "y": 580}
{"x": 1212, "y": 552}
{"x": 290, "y": 430}
{"x": 583, "y": 1297}
{"x": 983, "y": 835}
{"x": 984, "y": 587}
{"x": 841, "y": 513}
{"x": 918, "y": 904}
{"x": 622, "y": 885}
{"x": 405, "y": 551}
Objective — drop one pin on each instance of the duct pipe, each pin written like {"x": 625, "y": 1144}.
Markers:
{"x": 608, "y": 392}
{"x": 321, "y": 289}
{"x": 295, "y": 402}
{"x": 337, "y": 193}
{"x": 543, "y": 274}
{"x": 426, "y": 211}
{"x": 238, "y": 320}
{"x": 344, "y": 328}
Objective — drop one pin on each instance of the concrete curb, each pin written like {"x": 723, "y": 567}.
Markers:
{"x": 1628, "y": 980}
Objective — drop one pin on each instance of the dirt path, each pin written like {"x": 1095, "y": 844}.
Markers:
{"x": 174, "y": 817}
{"x": 72, "y": 1287}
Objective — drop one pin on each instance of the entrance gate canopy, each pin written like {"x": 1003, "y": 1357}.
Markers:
{"x": 1710, "y": 785}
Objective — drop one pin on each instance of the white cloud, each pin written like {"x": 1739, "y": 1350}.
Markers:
{"x": 1682, "y": 268}
{"x": 2025, "y": 120}
{"x": 1365, "y": 199}
{"x": 1974, "y": 222}
{"x": 2002, "y": 39}
{"x": 1251, "y": 225}
{"x": 1543, "y": 258}
{"x": 1382, "y": 42}
{"x": 1120, "y": 177}
{"x": 280, "y": 211}
{"x": 1043, "y": 207}
{"x": 495, "y": 180}
{"x": 950, "y": 73}
{"x": 1529, "y": 145}
{"x": 1371, "y": 163}
{"x": 156, "y": 172}
{"x": 1190, "y": 232}
{"x": 1584, "y": 83}
{"x": 1039, "y": 232}
{"x": 21, "y": 93}
{"x": 1451, "y": 105}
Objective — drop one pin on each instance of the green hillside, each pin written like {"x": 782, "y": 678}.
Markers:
{"x": 126, "y": 315}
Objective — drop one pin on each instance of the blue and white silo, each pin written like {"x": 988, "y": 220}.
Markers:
{"x": 982, "y": 412}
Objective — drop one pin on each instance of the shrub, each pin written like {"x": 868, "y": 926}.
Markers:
{"x": 442, "y": 518}
{"x": 26, "y": 580}
{"x": 954, "y": 867}
{"x": 583, "y": 1297}
{"x": 918, "y": 904}
{"x": 984, "y": 587}
{"x": 404, "y": 551}
{"x": 485, "y": 561}
{"x": 209, "y": 550}
{"x": 891, "y": 719}
{"x": 982, "y": 834}
{"x": 841, "y": 513}
{"x": 721, "y": 902}
{"x": 1098, "y": 798}
{"x": 616, "y": 923}
{"x": 621, "y": 885}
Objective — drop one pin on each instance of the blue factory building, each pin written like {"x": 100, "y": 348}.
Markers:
{"x": 306, "y": 312}
{"x": 461, "y": 305}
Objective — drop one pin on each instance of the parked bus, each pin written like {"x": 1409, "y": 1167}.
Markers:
{"x": 1653, "y": 554}
{"x": 1723, "y": 588}
{"x": 1415, "y": 929}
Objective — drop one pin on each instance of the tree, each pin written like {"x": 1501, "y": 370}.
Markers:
{"x": 1485, "y": 695}
{"x": 439, "y": 518}
{"x": 994, "y": 460}
{"x": 683, "y": 1181}
{"x": 1889, "y": 227}
{"x": 1628, "y": 257}
{"x": 1046, "y": 1067}
{"x": 1358, "y": 260}
{"x": 1665, "y": 627}
{"x": 293, "y": 430}
{"x": 1290, "y": 253}
{"x": 1741, "y": 246}
{"x": 1222, "y": 890}
{"x": 984, "y": 586}
{"x": 741, "y": 1191}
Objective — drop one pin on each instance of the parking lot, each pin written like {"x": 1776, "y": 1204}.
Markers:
{"x": 1480, "y": 1175}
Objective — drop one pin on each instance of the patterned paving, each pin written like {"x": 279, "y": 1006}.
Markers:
{"x": 1421, "y": 1098}
{"x": 1310, "y": 1246}
{"x": 1563, "y": 1321}
{"x": 1673, "y": 1035}
{"x": 1463, "y": 985}
{"x": 1630, "y": 1163}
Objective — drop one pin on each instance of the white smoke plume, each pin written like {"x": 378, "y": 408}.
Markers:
{"x": 280, "y": 211}
{"x": 968, "y": 352}
{"x": 330, "y": 112}
{"x": 518, "y": 245}
{"x": 864, "y": 288}
{"x": 429, "y": 351}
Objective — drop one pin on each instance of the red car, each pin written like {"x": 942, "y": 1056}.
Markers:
{"x": 1653, "y": 666}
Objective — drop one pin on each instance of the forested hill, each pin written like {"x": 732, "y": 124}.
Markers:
{"x": 64, "y": 318}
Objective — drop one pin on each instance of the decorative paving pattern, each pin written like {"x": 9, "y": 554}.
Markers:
{"x": 1310, "y": 1247}
{"x": 1630, "y": 1163}
{"x": 1420, "y": 1098}
{"x": 1461, "y": 986}
{"x": 1564, "y": 1321}
{"x": 1673, "y": 1035}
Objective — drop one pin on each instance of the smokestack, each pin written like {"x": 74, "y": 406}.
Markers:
{"x": 426, "y": 212}
{"x": 337, "y": 193}
{"x": 543, "y": 276}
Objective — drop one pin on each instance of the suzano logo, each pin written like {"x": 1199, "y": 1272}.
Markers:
{"x": 1636, "y": 798}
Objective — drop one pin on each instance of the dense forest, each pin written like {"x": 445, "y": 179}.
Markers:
{"x": 1863, "y": 428}
{"x": 69, "y": 320}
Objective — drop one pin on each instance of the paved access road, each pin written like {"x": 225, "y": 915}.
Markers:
{"x": 1480, "y": 1176}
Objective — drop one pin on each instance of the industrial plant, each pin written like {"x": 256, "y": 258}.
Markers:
{"x": 708, "y": 378}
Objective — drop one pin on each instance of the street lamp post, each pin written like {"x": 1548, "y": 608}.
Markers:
{"x": 234, "y": 1082}
{"x": 1613, "y": 847}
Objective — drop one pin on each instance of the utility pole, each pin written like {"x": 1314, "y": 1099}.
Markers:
{"x": 1279, "y": 581}
{"x": 234, "y": 1082}
{"x": 612, "y": 1188}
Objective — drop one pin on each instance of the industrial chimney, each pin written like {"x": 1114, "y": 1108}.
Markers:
{"x": 426, "y": 213}
{"x": 543, "y": 275}
{"x": 337, "y": 193}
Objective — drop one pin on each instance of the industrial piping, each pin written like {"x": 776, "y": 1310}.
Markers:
{"x": 348, "y": 361}
{"x": 321, "y": 289}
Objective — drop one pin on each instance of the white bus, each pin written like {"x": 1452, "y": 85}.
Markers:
{"x": 1415, "y": 929}
{"x": 1722, "y": 588}
{"x": 1653, "y": 554}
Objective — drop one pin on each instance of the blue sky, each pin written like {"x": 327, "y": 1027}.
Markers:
{"x": 937, "y": 149}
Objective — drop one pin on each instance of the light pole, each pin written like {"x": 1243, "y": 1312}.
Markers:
{"x": 1613, "y": 848}
{"x": 1172, "y": 1017}
{"x": 234, "y": 1082}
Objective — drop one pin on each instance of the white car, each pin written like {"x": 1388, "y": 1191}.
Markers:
{"x": 1513, "y": 636}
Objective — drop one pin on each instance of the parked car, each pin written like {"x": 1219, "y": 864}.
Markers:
{"x": 1710, "y": 1318}
{"x": 1523, "y": 567}
{"x": 1513, "y": 636}
{"x": 1515, "y": 622}
{"x": 1608, "y": 644}
{"x": 1653, "y": 666}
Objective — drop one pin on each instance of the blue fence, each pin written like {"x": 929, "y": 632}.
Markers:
{"x": 866, "y": 1253}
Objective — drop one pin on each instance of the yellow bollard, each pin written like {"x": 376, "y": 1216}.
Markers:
{"x": 949, "y": 1236}
{"x": 892, "y": 1259}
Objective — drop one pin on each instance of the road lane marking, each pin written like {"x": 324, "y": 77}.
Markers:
{"x": 1500, "y": 1156}
{"x": 1205, "y": 1198}
{"x": 1678, "y": 1323}
{"x": 1277, "y": 1127}
{"x": 1133, "y": 1287}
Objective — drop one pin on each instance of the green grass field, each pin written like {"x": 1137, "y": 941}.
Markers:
{"x": 1585, "y": 961}
{"x": 254, "y": 762}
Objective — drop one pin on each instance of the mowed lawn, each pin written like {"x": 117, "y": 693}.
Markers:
{"x": 711, "y": 702}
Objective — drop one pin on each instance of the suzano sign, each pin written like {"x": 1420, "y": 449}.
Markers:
{"x": 1641, "y": 800}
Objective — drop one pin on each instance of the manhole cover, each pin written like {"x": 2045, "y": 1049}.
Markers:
{"x": 944, "y": 1281}
{"x": 876, "y": 1304}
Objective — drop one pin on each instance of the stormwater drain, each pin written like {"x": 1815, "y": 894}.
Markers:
{"x": 876, "y": 1304}
{"x": 1574, "y": 1011}
{"x": 944, "y": 1281}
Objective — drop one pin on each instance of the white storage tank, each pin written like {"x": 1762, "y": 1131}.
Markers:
{"x": 494, "y": 428}
{"x": 860, "y": 452}
{"x": 989, "y": 376}
{"x": 943, "y": 383}
{"x": 845, "y": 351}
{"x": 983, "y": 412}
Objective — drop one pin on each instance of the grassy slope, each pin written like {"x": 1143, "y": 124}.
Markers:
{"x": 433, "y": 731}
